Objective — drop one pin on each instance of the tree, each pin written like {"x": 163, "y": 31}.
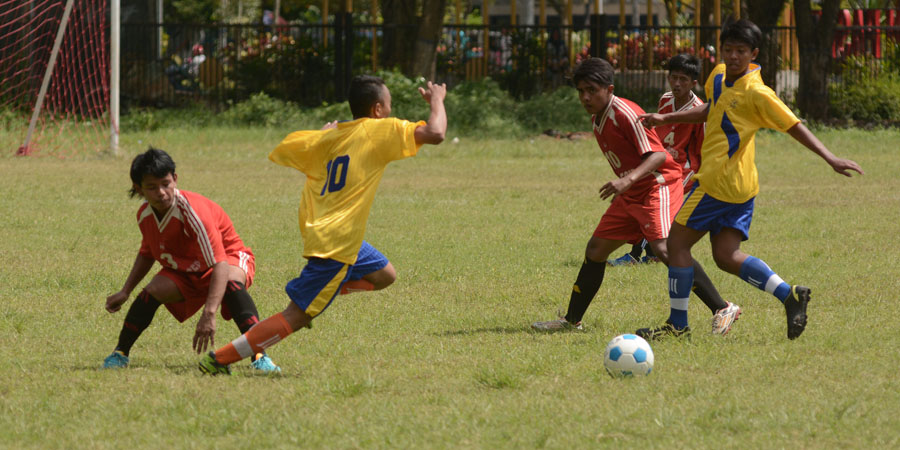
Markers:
{"x": 410, "y": 41}
{"x": 814, "y": 37}
{"x": 765, "y": 14}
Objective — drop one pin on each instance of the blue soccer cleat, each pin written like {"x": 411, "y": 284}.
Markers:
{"x": 264, "y": 364}
{"x": 116, "y": 360}
{"x": 624, "y": 260}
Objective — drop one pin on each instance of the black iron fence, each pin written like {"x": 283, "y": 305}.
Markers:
{"x": 167, "y": 64}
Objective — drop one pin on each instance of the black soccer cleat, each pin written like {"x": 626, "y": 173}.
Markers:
{"x": 665, "y": 330}
{"x": 795, "y": 309}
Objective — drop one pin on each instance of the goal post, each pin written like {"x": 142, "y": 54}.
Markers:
{"x": 57, "y": 77}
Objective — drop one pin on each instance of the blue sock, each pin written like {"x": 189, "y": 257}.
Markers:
{"x": 680, "y": 281}
{"x": 757, "y": 273}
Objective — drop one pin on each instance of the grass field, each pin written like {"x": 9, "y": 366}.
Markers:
{"x": 487, "y": 236}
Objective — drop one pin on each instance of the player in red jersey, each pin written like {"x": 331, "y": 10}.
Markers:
{"x": 204, "y": 262}
{"x": 645, "y": 195}
{"x": 682, "y": 141}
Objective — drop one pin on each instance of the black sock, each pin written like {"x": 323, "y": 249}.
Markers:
{"x": 240, "y": 304}
{"x": 590, "y": 277}
{"x": 636, "y": 250}
{"x": 649, "y": 249}
{"x": 704, "y": 289}
{"x": 139, "y": 316}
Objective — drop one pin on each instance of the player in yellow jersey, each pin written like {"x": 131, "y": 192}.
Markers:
{"x": 721, "y": 202}
{"x": 343, "y": 163}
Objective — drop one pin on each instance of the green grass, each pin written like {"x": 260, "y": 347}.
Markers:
{"x": 487, "y": 237}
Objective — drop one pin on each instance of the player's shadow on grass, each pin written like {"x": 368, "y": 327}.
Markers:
{"x": 492, "y": 330}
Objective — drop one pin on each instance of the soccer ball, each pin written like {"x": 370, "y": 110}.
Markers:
{"x": 628, "y": 355}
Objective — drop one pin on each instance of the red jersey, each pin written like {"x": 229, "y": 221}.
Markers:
{"x": 625, "y": 141}
{"x": 682, "y": 140}
{"x": 194, "y": 235}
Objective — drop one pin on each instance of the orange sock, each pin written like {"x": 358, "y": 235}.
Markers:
{"x": 264, "y": 334}
{"x": 356, "y": 286}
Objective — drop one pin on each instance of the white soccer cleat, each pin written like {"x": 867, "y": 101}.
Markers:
{"x": 724, "y": 318}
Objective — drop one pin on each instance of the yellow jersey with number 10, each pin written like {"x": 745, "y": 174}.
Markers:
{"x": 343, "y": 167}
{"x": 736, "y": 111}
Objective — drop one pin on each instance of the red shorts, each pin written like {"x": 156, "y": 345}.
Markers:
{"x": 650, "y": 219}
{"x": 194, "y": 286}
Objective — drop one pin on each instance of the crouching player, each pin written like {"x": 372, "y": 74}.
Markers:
{"x": 646, "y": 194}
{"x": 204, "y": 262}
{"x": 343, "y": 164}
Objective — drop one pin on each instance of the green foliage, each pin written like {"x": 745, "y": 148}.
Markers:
{"x": 559, "y": 110}
{"x": 10, "y": 119}
{"x": 870, "y": 91}
{"x": 482, "y": 108}
{"x": 260, "y": 110}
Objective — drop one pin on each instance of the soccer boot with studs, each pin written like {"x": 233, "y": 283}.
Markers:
{"x": 210, "y": 366}
{"x": 795, "y": 309}
{"x": 663, "y": 331}
{"x": 724, "y": 318}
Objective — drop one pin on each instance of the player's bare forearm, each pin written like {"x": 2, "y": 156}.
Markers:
{"x": 218, "y": 281}
{"x": 139, "y": 269}
{"x": 436, "y": 128}
{"x": 204, "y": 336}
{"x": 840, "y": 165}
{"x": 693, "y": 115}
{"x": 618, "y": 186}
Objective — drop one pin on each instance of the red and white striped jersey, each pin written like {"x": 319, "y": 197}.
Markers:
{"x": 624, "y": 141}
{"x": 682, "y": 140}
{"x": 194, "y": 235}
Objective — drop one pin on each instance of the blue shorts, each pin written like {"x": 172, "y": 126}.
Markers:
{"x": 321, "y": 280}
{"x": 701, "y": 212}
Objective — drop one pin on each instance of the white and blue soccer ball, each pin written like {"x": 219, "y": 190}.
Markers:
{"x": 628, "y": 355}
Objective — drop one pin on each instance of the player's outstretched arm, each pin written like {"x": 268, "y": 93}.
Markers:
{"x": 434, "y": 130}
{"x": 810, "y": 141}
{"x": 693, "y": 115}
{"x": 139, "y": 270}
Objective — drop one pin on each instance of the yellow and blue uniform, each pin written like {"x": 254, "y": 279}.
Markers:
{"x": 343, "y": 167}
{"x": 728, "y": 180}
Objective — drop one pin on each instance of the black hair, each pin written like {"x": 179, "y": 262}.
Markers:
{"x": 686, "y": 64}
{"x": 743, "y": 31}
{"x": 153, "y": 162}
{"x": 597, "y": 70}
{"x": 365, "y": 92}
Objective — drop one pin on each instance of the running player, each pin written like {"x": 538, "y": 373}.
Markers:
{"x": 204, "y": 262}
{"x": 721, "y": 202}
{"x": 343, "y": 164}
{"x": 646, "y": 194}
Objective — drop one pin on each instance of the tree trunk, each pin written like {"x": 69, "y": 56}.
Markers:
{"x": 765, "y": 14}
{"x": 399, "y": 33}
{"x": 429, "y": 34}
{"x": 410, "y": 41}
{"x": 814, "y": 38}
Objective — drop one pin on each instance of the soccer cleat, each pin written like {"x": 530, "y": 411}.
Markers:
{"x": 116, "y": 360}
{"x": 560, "y": 324}
{"x": 665, "y": 330}
{"x": 795, "y": 309}
{"x": 264, "y": 364}
{"x": 210, "y": 366}
{"x": 649, "y": 260}
{"x": 624, "y": 260}
{"x": 724, "y": 318}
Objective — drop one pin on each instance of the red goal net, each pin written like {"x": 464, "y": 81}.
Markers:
{"x": 74, "y": 108}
